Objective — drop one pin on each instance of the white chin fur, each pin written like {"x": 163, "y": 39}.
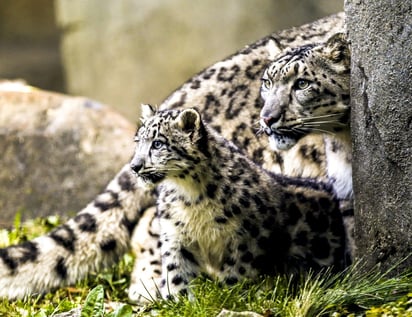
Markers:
{"x": 282, "y": 143}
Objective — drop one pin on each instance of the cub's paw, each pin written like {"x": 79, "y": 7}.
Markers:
{"x": 144, "y": 291}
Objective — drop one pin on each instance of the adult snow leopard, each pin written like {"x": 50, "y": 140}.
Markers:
{"x": 227, "y": 95}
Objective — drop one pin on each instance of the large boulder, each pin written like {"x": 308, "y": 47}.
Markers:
{"x": 57, "y": 152}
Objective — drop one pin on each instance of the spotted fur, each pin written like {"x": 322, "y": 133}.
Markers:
{"x": 227, "y": 95}
{"x": 222, "y": 215}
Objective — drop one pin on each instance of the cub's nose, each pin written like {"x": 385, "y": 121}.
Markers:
{"x": 136, "y": 165}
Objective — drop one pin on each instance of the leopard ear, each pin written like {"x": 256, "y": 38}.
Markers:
{"x": 147, "y": 112}
{"x": 189, "y": 120}
{"x": 337, "y": 49}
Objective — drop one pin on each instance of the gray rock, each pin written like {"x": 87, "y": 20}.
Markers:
{"x": 57, "y": 152}
{"x": 381, "y": 94}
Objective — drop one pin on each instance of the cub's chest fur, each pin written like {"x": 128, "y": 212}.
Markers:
{"x": 200, "y": 226}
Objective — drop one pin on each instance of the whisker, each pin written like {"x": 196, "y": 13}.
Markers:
{"x": 322, "y": 131}
{"x": 320, "y": 117}
{"x": 322, "y": 122}
{"x": 260, "y": 131}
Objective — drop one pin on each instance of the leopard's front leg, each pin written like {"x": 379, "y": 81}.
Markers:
{"x": 146, "y": 275}
{"x": 179, "y": 266}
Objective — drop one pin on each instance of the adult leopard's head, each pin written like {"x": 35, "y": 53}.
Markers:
{"x": 306, "y": 90}
{"x": 168, "y": 144}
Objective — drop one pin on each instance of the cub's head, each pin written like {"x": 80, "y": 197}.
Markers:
{"x": 168, "y": 144}
{"x": 306, "y": 90}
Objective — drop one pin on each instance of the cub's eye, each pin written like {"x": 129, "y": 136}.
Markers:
{"x": 302, "y": 84}
{"x": 266, "y": 83}
{"x": 157, "y": 144}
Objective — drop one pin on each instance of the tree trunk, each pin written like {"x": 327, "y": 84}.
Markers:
{"x": 380, "y": 33}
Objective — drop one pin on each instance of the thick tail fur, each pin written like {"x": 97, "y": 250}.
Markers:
{"x": 96, "y": 237}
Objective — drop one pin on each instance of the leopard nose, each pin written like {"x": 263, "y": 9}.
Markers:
{"x": 270, "y": 120}
{"x": 136, "y": 165}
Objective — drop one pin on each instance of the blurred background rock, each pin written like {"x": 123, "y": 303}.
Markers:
{"x": 127, "y": 52}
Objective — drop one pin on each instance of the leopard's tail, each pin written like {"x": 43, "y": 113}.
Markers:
{"x": 96, "y": 237}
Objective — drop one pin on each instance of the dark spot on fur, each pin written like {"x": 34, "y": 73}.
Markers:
{"x": 247, "y": 257}
{"x": 15, "y": 255}
{"x": 258, "y": 155}
{"x": 310, "y": 153}
{"x": 60, "y": 268}
{"x": 64, "y": 236}
{"x": 242, "y": 247}
{"x": 86, "y": 222}
{"x": 177, "y": 280}
{"x": 125, "y": 181}
{"x": 301, "y": 238}
{"x": 230, "y": 261}
{"x": 188, "y": 255}
{"x": 221, "y": 219}
{"x": 269, "y": 223}
{"x": 211, "y": 190}
{"x": 227, "y": 213}
{"x": 251, "y": 228}
{"x": 171, "y": 267}
{"x": 293, "y": 214}
{"x": 183, "y": 292}
{"x": 317, "y": 223}
{"x": 320, "y": 247}
{"x": 208, "y": 73}
{"x": 301, "y": 198}
{"x": 228, "y": 74}
{"x": 236, "y": 209}
{"x": 128, "y": 224}
{"x": 264, "y": 243}
{"x": 231, "y": 280}
{"x": 105, "y": 204}
{"x": 108, "y": 245}
{"x": 195, "y": 84}
{"x": 244, "y": 201}
{"x": 8, "y": 261}
{"x": 242, "y": 270}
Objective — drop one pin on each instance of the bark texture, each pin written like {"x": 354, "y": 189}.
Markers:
{"x": 381, "y": 90}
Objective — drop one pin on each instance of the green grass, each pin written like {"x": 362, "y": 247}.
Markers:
{"x": 350, "y": 293}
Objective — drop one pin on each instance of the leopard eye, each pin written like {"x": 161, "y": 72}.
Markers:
{"x": 302, "y": 84}
{"x": 157, "y": 144}
{"x": 266, "y": 83}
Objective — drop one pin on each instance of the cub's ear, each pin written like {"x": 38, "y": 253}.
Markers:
{"x": 189, "y": 120}
{"x": 337, "y": 49}
{"x": 148, "y": 111}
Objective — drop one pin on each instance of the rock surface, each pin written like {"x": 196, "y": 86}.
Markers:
{"x": 57, "y": 152}
{"x": 381, "y": 94}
